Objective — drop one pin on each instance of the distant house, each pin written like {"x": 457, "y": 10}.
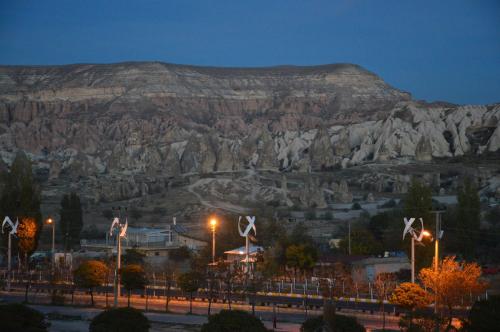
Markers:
{"x": 238, "y": 256}
{"x": 365, "y": 268}
{"x": 155, "y": 243}
{"x": 368, "y": 268}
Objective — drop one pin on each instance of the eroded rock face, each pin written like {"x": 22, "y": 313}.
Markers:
{"x": 138, "y": 122}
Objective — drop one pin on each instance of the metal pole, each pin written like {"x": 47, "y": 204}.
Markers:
{"x": 412, "y": 260}
{"x": 117, "y": 270}
{"x": 213, "y": 244}
{"x": 9, "y": 261}
{"x": 247, "y": 254}
{"x": 53, "y": 246}
{"x": 119, "y": 262}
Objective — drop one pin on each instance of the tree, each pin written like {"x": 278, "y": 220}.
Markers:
{"x": 384, "y": 285}
{"x": 90, "y": 274}
{"x": 336, "y": 323}
{"x": 133, "y": 277}
{"x": 387, "y": 228}
{"x": 468, "y": 218}
{"x": 362, "y": 242}
{"x": 21, "y": 199}
{"x": 233, "y": 320}
{"x": 26, "y": 234}
{"x": 120, "y": 320}
{"x": 189, "y": 282}
{"x": 133, "y": 256}
{"x": 71, "y": 219}
{"x": 452, "y": 284}
{"x": 180, "y": 254}
{"x": 484, "y": 315}
{"x": 410, "y": 296}
{"x": 418, "y": 204}
{"x": 17, "y": 317}
{"x": 356, "y": 206}
{"x": 301, "y": 257}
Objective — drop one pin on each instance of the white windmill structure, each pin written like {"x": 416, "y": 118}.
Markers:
{"x": 415, "y": 235}
{"x": 121, "y": 231}
{"x": 246, "y": 234}
{"x": 13, "y": 231}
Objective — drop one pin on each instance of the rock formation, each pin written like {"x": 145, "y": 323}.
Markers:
{"x": 122, "y": 131}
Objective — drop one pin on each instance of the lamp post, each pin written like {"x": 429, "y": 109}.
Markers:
{"x": 13, "y": 231}
{"x": 121, "y": 232}
{"x": 426, "y": 234}
{"x": 414, "y": 236}
{"x": 213, "y": 224}
{"x": 51, "y": 221}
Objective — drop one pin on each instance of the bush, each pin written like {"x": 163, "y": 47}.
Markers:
{"x": 340, "y": 323}
{"x": 17, "y": 317}
{"x": 120, "y": 320}
{"x": 356, "y": 206}
{"x": 389, "y": 204}
{"x": 233, "y": 320}
{"x": 313, "y": 324}
{"x": 484, "y": 315}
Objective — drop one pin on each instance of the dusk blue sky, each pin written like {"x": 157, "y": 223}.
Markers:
{"x": 437, "y": 50}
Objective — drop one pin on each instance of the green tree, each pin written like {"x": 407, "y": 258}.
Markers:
{"x": 334, "y": 323}
{"x": 233, "y": 320}
{"x": 120, "y": 320}
{"x": 468, "y": 218}
{"x": 180, "y": 254}
{"x": 20, "y": 198}
{"x": 90, "y": 274}
{"x": 133, "y": 256}
{"x": 189, "y": 282}
{"x": 362, "y": 242}
{"x": 484, "y": 315}
{"x": 132, "y": 277}
{"x": 71, "y": 219}
{"x": 418, "y": 204}
{"x": 301, "y": 257}
{"x": 17, "y": 317}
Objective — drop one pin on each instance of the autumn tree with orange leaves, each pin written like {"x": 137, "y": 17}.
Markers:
{"x": 27, "y": 235}
{"x": 410, "y": 296}
{"x": 453, "y": 284}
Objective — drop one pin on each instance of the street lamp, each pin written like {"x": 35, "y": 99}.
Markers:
{"x": 409, "y": 229}
{"x": 51, "y": 221}
{"x": 423, "y": 234}
{"x": 213, "y": 224}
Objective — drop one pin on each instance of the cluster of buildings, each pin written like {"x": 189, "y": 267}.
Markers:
{"x": 157, "y": 243}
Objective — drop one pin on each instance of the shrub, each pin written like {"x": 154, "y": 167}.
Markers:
{"x": 389, "y": 204}
{"x": 120, "y": 320}
{"x": 17, "y": 317}
{"x": 484, "y": 315}
{"x": 356, "y": 206}
{"x": 340, "y": 323}
{"x": 233, "y": 320}
{"x": 313, "y": 324}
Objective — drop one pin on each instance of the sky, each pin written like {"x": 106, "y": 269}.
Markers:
{"x": 446, "y": 50}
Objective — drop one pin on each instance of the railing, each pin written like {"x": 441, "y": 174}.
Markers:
{"x": 128, "y": 244}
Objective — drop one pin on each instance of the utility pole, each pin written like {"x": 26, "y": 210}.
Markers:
{"x": 121, "y": 232}
{"x": 439, "y": 234}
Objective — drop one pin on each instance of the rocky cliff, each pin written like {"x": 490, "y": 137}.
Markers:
{"x": 129, "y": 130}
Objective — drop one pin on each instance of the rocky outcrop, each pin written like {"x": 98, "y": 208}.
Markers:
{"x": 141, "y": 121}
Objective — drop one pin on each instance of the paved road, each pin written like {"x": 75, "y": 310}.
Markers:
{"x": 289, "y": 319}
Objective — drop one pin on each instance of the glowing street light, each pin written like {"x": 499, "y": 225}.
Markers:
{"x": 414, "y": 236}
{"x": 213, "y": 224}
{"x": 51, "y": 221}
